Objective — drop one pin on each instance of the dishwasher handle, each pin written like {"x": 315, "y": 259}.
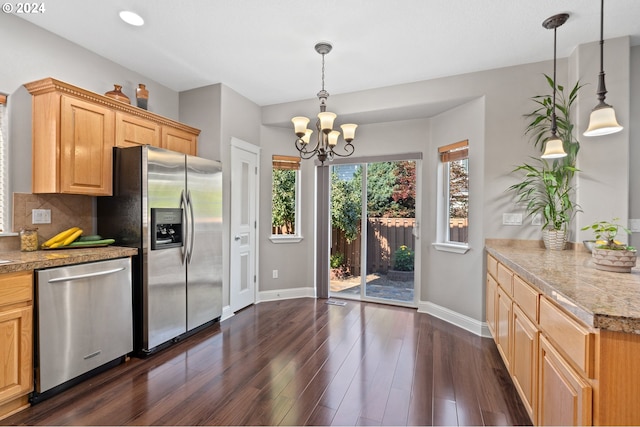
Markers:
{"x": 85, "y": 276}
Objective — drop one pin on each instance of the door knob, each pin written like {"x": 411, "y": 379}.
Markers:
{"x": 237, "y": 237}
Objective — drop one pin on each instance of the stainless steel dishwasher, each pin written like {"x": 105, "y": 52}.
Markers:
{"x": 84, "y": 322}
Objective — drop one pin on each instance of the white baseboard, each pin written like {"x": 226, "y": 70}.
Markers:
{"x": 286, "y": 294}
{"x": 226, "y": 313}
{"x": 465, "y": 322}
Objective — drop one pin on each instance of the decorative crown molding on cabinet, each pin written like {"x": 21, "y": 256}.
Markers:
{"x": 50, "y": 84}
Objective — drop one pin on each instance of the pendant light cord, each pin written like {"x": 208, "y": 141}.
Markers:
{"x": 554, "y": 126}
{"x": 602, "y": 90}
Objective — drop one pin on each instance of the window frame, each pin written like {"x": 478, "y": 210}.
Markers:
{"x": 294, "y": 164}
{"x": 446, "y": 154}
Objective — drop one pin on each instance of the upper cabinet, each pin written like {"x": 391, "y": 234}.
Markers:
{"x": 74, "y": 132}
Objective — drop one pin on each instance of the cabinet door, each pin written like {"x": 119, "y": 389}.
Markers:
{"x": 86, "y": 142}
{"x": 179, "y": 140}
{"x": 524, "y": 361}
{"x": 503, "y": 326}
{"x": 132, "y": 131}
{"x": 16, "y": 349}
{"x": 564, "y": 397}
{"x": 492, "y": 289}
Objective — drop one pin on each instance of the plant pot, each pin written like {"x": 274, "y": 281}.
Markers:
{"x": 554, "y": 239}
{"x": 614, "y": 260}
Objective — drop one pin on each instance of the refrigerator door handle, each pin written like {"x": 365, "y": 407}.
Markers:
{"x": 191, "y": 227}
{"x": 185, "y": 232}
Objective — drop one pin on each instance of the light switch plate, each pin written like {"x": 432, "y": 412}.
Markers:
{"x": 511, "y": 219}
{"x": 634, "y": 225}
{"x": 40, "y": 216}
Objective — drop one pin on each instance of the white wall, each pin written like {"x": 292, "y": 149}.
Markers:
{"x": 32, "y": 53}
{"x": 604, "y": 161}
{"x": 451, "y": 280}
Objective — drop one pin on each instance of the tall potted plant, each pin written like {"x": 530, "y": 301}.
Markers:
{"x": 546, "y": 188}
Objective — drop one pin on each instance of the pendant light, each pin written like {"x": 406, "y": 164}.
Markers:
{"x": 554, "y": 146}
{"x": 603, "y": 117}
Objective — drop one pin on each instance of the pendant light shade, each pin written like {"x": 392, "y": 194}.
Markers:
{"x": 553, "y": 149}
{"x": 603, "y": 117}
{"x": 603, "y": 122}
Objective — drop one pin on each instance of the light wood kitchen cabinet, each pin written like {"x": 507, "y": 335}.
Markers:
{"x": 16, "y": 341}
{"x": 565, "y": 371}
{"x": 132, "y": 131}
{"x": 74, "y": 132}
{"x": 565, "y": 396}
{"x": 503, "y": 326}
{"x": 72, "y": 144}
{"x": 492, "y": 295}
{"x": 524, "y": 368}
{"x": 179, "y": 140}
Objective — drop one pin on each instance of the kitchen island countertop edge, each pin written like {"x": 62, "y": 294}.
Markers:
{"x": 601, "y": 299}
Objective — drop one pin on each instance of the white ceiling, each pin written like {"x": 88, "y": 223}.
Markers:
{"x": 264, "y": 49}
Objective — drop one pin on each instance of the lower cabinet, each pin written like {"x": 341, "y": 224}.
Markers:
{"x": 550, "y": 375}
{"x": 524, "y": 368}
{"x": 503, "y": 326}
{"x": 16, "y": 341}
{"x": 565, "y": 397}
{"x": 566, "y": 372}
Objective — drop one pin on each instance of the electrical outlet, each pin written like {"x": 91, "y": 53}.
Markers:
{"x": 275, "y": 274}
{"x": 511, "y": 219}
{"x": 40, "y": 216}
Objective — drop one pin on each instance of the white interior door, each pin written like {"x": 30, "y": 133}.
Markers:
{"x": 244, "y": 226}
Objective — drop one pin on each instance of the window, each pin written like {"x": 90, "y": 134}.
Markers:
{"x": 3, "y": 164}
{"x": 453, "y": 206}
{"x": 285, "y": 204}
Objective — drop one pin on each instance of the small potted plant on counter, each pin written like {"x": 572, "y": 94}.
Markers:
{"x": 608, "y": 253}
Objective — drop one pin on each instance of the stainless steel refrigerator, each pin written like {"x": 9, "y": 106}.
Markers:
{"x": 169, "y": 206}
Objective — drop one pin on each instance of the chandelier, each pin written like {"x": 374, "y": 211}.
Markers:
{"x": 326, "y": 138}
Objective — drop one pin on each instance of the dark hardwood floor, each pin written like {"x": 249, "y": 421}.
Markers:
{"x": 302, "y": 362}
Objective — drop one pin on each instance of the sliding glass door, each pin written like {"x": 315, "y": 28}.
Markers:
{"x": 373, "y": 218}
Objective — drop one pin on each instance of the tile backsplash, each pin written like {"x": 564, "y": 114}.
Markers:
{"x": 67, "y": 210}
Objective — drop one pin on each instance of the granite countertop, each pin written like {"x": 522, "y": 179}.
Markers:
{"x": 21, "y": 261}
{"x": 601, "y": 299}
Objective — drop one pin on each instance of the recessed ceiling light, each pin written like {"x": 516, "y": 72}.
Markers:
{"x": 131, "y": 18}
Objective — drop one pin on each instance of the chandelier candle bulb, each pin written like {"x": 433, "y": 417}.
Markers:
{"x": 326, "y": 121}
{"x": 349, "y": 131}
{"x": 300, "y": 125}
{"x": 307, "y": 136}
{"x": 333, "y": 138}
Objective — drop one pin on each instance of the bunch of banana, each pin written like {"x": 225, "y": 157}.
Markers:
{"x": 63, "y": 238}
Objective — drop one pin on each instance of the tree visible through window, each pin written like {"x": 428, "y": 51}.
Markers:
{"x": 284, "y": 200}
{"x": 455, "y": 160}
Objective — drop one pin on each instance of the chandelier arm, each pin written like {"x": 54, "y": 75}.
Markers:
{"x": 302, "y": 148}
{"x": 348, "y": 148}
